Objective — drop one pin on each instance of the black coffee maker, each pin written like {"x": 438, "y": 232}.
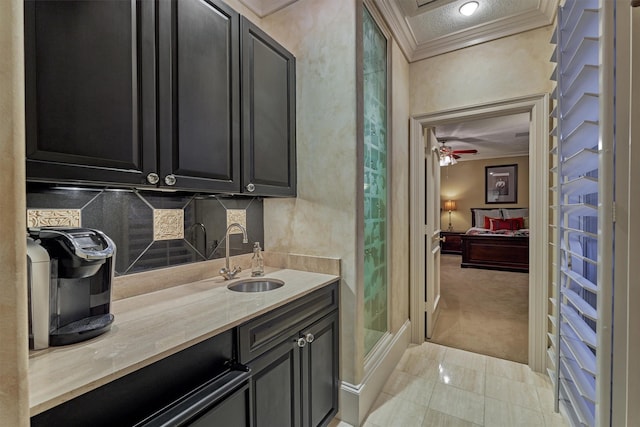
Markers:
{"x": 81, "y": 267}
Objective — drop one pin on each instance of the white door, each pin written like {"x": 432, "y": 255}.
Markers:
{"x": 432, "y": 231}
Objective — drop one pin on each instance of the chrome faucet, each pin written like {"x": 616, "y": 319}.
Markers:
{"x": 225, "y": 271}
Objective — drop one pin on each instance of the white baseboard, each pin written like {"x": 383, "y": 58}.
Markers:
{"x": 356, "y": 400}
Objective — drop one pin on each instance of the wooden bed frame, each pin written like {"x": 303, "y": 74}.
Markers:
{"x": 507, "y": 253}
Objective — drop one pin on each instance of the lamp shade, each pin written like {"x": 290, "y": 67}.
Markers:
{"x": 450, "y": 205}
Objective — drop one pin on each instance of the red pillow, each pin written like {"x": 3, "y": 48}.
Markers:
{"x": 487, "y": 222}
{"x": 517, "y": 223}
{"x": 500, "y": 224}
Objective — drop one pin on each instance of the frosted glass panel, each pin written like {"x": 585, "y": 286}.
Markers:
{"x": 375, "y": 182}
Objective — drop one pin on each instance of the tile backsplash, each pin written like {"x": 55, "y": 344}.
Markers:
{"x": 150, "y": 229}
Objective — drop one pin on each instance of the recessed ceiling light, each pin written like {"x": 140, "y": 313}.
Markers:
{"x": 469, "y": 8}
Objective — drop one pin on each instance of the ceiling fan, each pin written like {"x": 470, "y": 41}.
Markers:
{"x": 449, "y": 156}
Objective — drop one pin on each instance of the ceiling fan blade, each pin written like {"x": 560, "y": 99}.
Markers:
{"x": 455, "y": 156}
{"x": 464, "y": 151}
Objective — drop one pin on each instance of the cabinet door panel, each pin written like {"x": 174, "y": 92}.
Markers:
{"x": 268, "y": 113}
{"x": 320, "y": 373}
{"x": 276, "y": 387}
{"x": 90, "y": 90}
{"x": 199, "y": 93}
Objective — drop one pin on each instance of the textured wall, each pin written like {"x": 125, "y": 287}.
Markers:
{"x": 14, "y": 399}
{"x": 322, "y": 220}
{"x": 501, "y": 69}
{"x": 399, "y": 189}
{"x": 464, "y": 183}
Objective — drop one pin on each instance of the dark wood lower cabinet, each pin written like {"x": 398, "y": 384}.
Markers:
{"x": 295, "y": 372}
{"x": 293, "y": 354}
{"x": 320, "y": 373}
{"x": 296, "y": 383}
{"x": 276, "y": 387}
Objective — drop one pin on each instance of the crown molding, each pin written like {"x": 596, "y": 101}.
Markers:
{"x": 398, "y": 25}
{"x": 414, "y": 51}
{"x": 483, "y": 33}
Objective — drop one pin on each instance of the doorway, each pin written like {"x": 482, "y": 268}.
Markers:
{"x": 538, "y": 108}
{"x": 484, "y": 296}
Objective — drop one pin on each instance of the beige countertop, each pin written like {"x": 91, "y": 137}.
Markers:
{"x": 152, "y": 326}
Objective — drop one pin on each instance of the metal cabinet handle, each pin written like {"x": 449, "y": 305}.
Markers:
{"x": 443, "y": 239}
{"x": 251, "y": 188}
{"x": 301, "y": 342}
{"x": 153, "y": 178}
{"x": 170, "y": 179}
{"x": 309, "y": 338}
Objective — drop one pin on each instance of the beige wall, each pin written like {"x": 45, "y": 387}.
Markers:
{"x": 501, "y": 69}
{"x": 14, "y": 397}
{"x": 322, "y": 219}
{"x": 464, "y": 183}
{"x": 399, "y": 189}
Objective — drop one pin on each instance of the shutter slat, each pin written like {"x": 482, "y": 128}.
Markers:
{"x": 585, "y": 160}
{"x": 579, "y": 326}
{"x": 586, "y": 81}
{"x": 585, "y": 135}
{"x": 585, "y": 108}
{"x": 584, "y": 412}
{"x": 580, "y": 304}
{"x": 581, "y": 185}
{"x": 581, "y": 353}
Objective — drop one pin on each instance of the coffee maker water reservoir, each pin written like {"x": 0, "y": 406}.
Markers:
{"x": 81, "y": 267}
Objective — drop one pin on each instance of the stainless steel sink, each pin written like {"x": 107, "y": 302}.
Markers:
{"x": 256, "y": 285}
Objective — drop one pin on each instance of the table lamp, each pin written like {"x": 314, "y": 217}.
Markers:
{"x": 450, "y": 205}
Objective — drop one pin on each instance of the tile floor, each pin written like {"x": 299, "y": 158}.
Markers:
{"x": 442, "y": 386}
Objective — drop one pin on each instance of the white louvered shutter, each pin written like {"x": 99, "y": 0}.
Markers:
{"x": 580, "y": 344}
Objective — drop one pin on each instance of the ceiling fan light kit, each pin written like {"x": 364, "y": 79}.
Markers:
{"x": 449, "y": 156}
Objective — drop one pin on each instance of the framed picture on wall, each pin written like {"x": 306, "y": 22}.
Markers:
{"x": 501, "y": 184}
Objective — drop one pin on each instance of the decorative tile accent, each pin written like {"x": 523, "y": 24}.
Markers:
{"x": 168, "y": 224}
{"x": 239, "y": 216}
{"x": 53, "y": 217}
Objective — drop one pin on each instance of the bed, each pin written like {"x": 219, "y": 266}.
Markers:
{"x": 503, "y": 249}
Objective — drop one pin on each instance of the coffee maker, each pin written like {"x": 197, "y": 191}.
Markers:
{"x": 70, "y": 271}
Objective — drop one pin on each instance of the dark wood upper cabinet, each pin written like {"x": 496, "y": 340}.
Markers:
{"x": 199, "y": 94}
{"x": 90, "y": 90}
{"x": 268, "y": 114}
{"x": 157, "y": 93}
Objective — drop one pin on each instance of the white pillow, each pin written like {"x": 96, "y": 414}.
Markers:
{"x": 481, "y": 213}
{"x": 515, "y": 213}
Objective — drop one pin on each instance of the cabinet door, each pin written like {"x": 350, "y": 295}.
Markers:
{"x": 268, "y": 115}
{"x": 90, "y": 90}
{"x": 276, "y": 387}
{"x": 320, "y": 372}
{"x": 198, "y": 110}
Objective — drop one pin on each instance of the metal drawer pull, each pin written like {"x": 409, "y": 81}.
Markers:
{"x": 251, "y": 188}
{"x": 153, "y": 178}
{"x": 170, "y": 179}
{"x": 301, "y": 342}
{"x": 309, "y": 338}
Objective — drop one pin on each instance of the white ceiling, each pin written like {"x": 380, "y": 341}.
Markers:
{"x": 426, "y": 28}
{"x": 494, "y": 137}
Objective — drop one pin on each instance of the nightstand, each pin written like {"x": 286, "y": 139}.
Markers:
{"x": 452, "y": 243}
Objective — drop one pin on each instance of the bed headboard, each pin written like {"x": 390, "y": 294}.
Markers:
{"x": 478, "y": 214}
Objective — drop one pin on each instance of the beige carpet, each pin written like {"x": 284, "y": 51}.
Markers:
{"x": 483, "y": 311}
